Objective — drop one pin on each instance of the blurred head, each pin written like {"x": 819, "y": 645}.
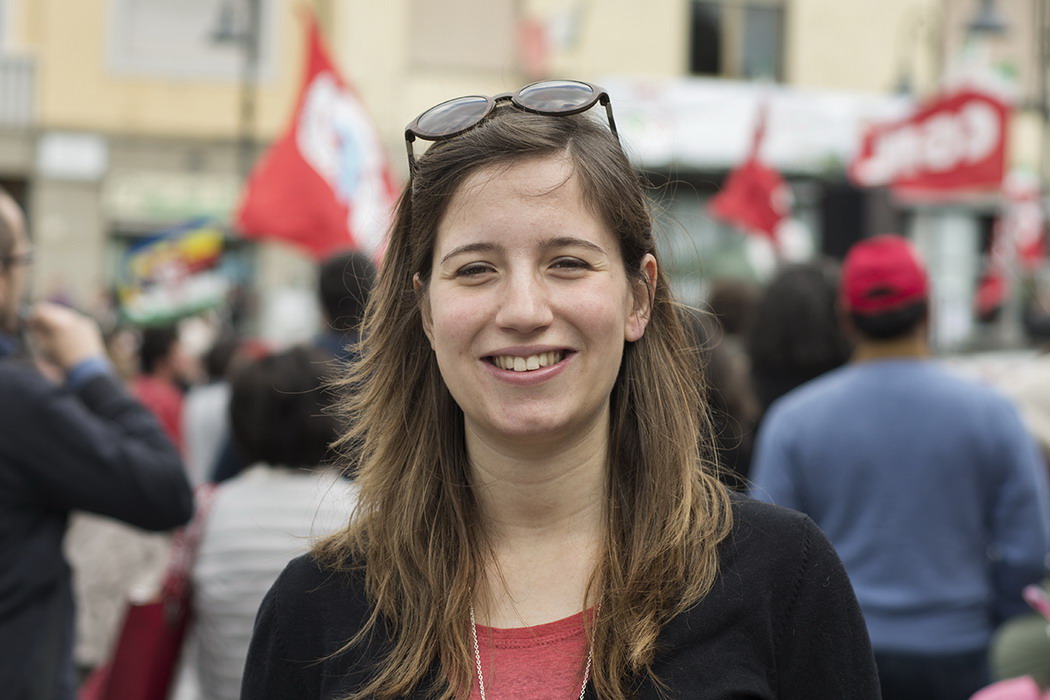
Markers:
{"x": 733, "y": 303}
{"x": 796, "y": 334}
{"x": 14, "y": 252}
{"x": 278, "y": 409}
{"x": 162, "y": 354}
{"x": 884, "y": 287}
{"x": 345, "y": 281}
{"x": 156, "y": 346}
{"x": 220, "y": 355}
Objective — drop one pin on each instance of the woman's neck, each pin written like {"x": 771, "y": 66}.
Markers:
{"x": 531, "y": 491}
{"x": 545, "y": 518}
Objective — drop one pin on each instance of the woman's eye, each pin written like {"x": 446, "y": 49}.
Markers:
{"x": 473, "y": 270}
{"x": 570, "y": 264}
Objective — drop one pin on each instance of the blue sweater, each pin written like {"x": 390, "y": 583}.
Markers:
{"x": 928, "y": 486}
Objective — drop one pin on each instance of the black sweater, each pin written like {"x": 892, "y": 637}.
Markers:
{"x": 780, "y": 622}
{"x": 95, "y": 449}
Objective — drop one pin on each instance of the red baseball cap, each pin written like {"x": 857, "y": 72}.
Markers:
{"x": 881, "y": 274}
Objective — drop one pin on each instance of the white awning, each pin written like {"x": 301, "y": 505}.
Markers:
{"x": 707, "y": 124}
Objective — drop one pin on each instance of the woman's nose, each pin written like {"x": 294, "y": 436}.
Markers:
{"x": 525, "y": 305}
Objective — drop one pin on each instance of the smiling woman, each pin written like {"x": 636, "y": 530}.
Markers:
{"x": 529, "y": 330}
{"x": 538, "y": 514}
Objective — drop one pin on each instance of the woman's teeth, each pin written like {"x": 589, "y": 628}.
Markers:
{"x": 525, "y": 364}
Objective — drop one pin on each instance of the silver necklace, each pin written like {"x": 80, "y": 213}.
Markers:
{"x": 477, "y": 656}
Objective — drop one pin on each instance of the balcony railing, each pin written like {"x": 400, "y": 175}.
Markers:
{"x": 17, "y": 87}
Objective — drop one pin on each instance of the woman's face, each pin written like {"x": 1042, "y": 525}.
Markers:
{"x": 529, "y": 305}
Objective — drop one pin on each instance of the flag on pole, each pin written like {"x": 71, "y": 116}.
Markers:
{"x": 1018, "y": 242}
{"x": 325, "y": 185}
{"x": 754, "y": 196}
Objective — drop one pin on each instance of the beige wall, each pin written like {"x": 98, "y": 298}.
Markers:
{"x": 859, "y": 44}
{"x": 77, "y": 90}
{"x": 401, "y": 65}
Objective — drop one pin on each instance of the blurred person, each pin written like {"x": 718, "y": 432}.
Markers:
{"x": 265, "y": 515}
{"x": 81, "y": 444}
{"x": 229, "y": 461}
{"x": 205, "y": 410}
{"x": 164, "y": 375}
{"x": 1027, "y": 382}
{"x": 734, "y": 302}
{"x": 1021, "y": 646}
{"x": 108, "y": 558}
{"x": 731, "y": 402}
{"x": 795, "y": 335}
{"x": 537, "y": 516}
{"x": 122, "y": 348}
{"x": 345, "y": 281}
{"x": 927, "y": 483}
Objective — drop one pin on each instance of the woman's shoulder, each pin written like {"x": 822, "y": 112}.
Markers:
{"x": 306, "y": 575}
{"x": 760, "y": 518}
{"x": 308, "y": 593}
{"x": 299, "y": 644}
{"x": 780, "y": 620}
{"x": 772, "y": 541}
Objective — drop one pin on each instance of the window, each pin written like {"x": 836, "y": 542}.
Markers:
{"x": 189, "y": 39}
{"x": 462, "y": 34}
{"x": 742, "y": 39}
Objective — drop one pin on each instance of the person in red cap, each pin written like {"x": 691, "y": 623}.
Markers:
{"x": 926, "y": 483}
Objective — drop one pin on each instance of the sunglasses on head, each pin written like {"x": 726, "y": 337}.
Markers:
{"x": 556, "y": 98}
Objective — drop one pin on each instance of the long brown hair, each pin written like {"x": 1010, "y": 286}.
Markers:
{"x": 418, "y": 531}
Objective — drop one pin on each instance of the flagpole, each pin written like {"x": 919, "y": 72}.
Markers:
{"x": 249, "y": 82}
{"x": 242, "y": 28}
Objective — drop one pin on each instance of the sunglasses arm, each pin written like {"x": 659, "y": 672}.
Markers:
{"x": 409, "y": 138}
{"x": 608, "y": 111}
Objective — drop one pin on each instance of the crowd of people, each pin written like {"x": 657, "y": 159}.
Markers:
{"x": 511, "y": 464}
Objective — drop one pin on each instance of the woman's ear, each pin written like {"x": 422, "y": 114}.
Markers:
{"x": 642, "y": 291}
{"x": 424, "y": 308}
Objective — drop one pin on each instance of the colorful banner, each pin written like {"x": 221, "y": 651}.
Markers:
{"x": 325, "y": 185}
{"x": 956, "y": 142}
{"x": 172, "y": 275}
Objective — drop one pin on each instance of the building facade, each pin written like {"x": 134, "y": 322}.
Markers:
{"x": 120, "y": 118}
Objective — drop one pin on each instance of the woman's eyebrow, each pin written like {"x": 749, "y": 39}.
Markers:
{"x": 556, "y": 242}
{"x": 469, "y": 248}
{"x": 568, "y": 241}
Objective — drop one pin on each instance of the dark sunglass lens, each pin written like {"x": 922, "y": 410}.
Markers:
{"x": 452, "y": 117}
{"x": 556, "y": 96}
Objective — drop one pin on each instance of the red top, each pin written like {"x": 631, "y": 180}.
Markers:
{"x": 544, "y": 662}
{"x": 165, "y": 401}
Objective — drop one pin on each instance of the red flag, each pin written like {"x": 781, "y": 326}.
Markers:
{"x": 754, "y": 196}
{"x": 1018, "y": 236}
{"x": 1023, "y": 220}
{"x": 325, "y": 185}
{"x": 533, "y": 48}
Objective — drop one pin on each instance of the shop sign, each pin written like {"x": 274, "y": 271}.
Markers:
{"x": 955, "y": 142}
{"x": 166, "y": 197}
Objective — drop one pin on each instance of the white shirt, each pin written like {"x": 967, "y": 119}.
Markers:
{"x": 259, "y": 520}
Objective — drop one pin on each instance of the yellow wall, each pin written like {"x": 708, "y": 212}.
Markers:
{"x": 835, "y": 44}
{"x": 859, "y": 44}
{"x": 77, "y": 91}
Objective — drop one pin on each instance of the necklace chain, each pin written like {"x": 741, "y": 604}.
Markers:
{"x": 477, "y": 656}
